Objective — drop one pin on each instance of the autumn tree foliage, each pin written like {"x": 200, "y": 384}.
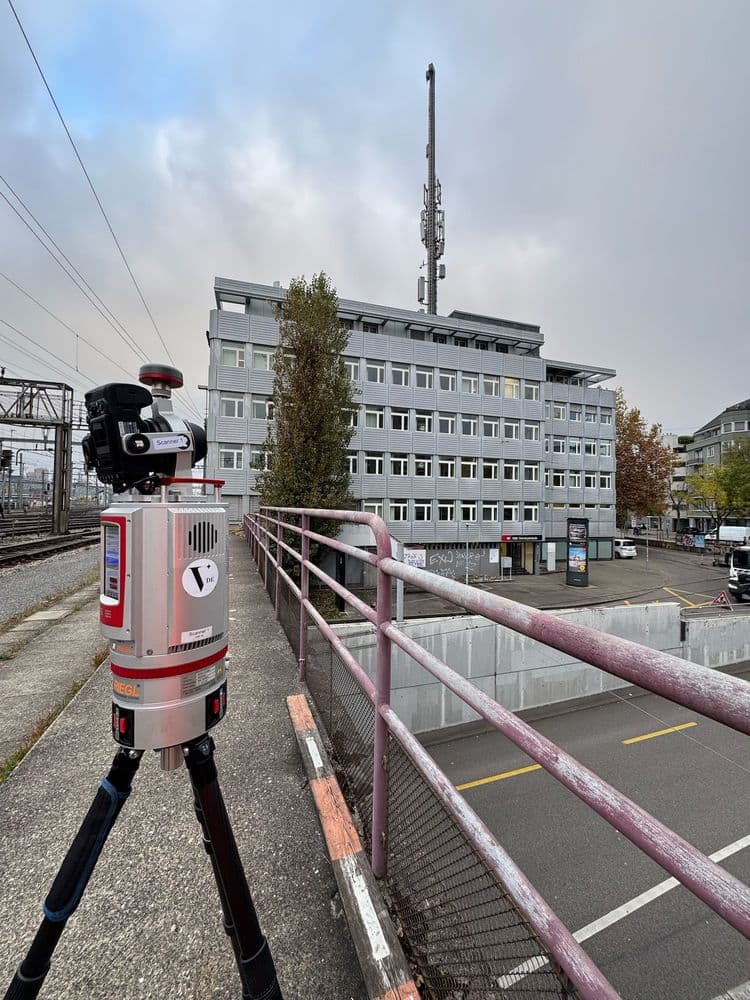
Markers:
{"x": 723, "y": 491}
{"x": 644, "y": 463}
{"x": 306, "y": 444}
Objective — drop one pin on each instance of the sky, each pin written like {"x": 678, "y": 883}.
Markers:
{"x": 593, "y": 158}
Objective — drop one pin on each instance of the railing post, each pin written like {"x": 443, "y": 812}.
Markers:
{"x": 279, "y": 533}
{"x": 380, "y": 749}
{"x": 304, "y": 594}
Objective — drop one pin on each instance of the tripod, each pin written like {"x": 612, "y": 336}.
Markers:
{"x": 251, "y": 951}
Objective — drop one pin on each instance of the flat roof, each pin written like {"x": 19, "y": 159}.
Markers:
{"x": 590, "y": 373}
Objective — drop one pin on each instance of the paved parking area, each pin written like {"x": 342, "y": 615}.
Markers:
{"x": 653, "y": 941}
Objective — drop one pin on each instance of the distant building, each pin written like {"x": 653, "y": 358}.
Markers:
{"x": 463, "y": 432}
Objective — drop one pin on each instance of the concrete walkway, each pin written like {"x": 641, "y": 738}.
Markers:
{"x": 149, "y": 924}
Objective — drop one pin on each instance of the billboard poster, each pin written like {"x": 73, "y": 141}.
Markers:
{"x": 577, "y": 573}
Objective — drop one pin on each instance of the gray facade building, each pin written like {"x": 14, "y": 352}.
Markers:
{"x": 464, "y": 433}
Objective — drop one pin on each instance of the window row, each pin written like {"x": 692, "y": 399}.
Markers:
{"x": 425, "y": 422}
{"x": 737, "y": 425}
{"x": 578, "y": 446}
{"x": 444, "y": 467}
{"x": 578, "y": 414}
{"x": 235, "y": 355}
{"x": 451, "y": 510}
{"x": 446, "y": 380}
{"x": 574, "y": 478}
{"x": 232, "y": 404}
{"x": 434, "y": 337}
{"x": 231, "y": 456}
{"x": 573, "y": 505}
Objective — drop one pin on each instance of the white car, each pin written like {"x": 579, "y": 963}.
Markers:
{"x": 625, "y": 548}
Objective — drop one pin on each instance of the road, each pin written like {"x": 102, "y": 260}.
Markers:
{"x": 696, "y": 779}
{"x": 692, "y": 579}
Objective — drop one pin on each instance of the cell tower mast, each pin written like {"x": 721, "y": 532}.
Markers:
{"x": 432, "y": 226}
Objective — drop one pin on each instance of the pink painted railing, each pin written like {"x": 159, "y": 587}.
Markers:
{"x": 715, "y": 695}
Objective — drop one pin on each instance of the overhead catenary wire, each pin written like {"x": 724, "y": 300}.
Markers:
{"x": 94, "y": 193}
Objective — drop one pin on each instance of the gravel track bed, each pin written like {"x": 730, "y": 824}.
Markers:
{"x": 24, "y": 587}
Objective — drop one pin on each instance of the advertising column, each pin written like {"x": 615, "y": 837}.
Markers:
{"x": 578, "y": 552}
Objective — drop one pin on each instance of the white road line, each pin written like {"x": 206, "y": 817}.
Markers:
{"x": 523, "y": 970}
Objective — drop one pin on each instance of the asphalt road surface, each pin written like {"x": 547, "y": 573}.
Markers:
{"x": 695, "y": 778}
{"x": 692, "y": 580}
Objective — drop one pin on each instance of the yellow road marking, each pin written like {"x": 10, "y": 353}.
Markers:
{"x": 626, "y": 602}
{"x": 660, "y": 732}
{"x": 499, "y": 777}
{"x": 679, "y": 597}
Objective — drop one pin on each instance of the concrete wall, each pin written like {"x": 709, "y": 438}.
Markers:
{"x": 521, "y": 673}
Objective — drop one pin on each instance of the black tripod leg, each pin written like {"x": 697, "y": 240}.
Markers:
{"x": 251, "y": 949}
{"x": 74, "y": 874}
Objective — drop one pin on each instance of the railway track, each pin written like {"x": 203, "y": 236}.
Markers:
{"x": 41, "y": 548}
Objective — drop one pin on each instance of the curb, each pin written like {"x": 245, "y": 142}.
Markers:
{"x": 384, "y": 968}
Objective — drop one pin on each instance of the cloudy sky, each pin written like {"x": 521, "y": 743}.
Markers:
{"x": 594, "y": 158}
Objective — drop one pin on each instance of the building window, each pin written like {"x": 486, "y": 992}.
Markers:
{"x": 231, "y": 404}
{"x": 605, "y": 416}
{"x": 373, "y": 464}
{"x": 558, "y": 445}
{"x": 546, "y": 410}
{"x": 424, "y": 378}
{"x": 510, "y": 511}
{"x": 230, "y": 456}
{"x": 423, "y": 465}
{"x": 710, "y": 452}
{"x": 469, "y": 426}
{"x": 446, "y": 510}
{"x": 352, "y": 417}
{"x": 375, "y": 372}
{"x": 575, "y": 414}
{"x": 531, "y": 390}
{"x": 400, "y": 374}
{"x": 461, "y": 341}
{"x": 399, "y": 465}
{"x": 490, "y": 468}
{"x": 468, "y": 510}
{"x": 470, "y": 384}
{"x": 546, "y": 479}
{"x": 262, "y": 409}
{"x": 258, "y": 458}
{"x": 589, "y": 447}
{"x": 491, "y": 427}
{"x": 590, "y": 416}
{"x": 511, "y": 429}
{"x": 447, "y": 423}
{"x": 481, "y": 345}
{"x": 232, "y": 356}
{"x": 439, "y": 338}
{"x": 489, "y": 511}
{"x": 492, "y": 385}
{"x": 511, "y": 388}
{"x": 262, "y": 359}
{"x": 352, "y": 368}
{"x": 531, "y": 472}
{"x": 574, "y": 446}
{"x": 417, "y": 334}
{"x": 346, "y": 324}
{"x": 574, "y": 480}
{"x": 559, "y": 411}
{"x": 374, "y": 417}
{"x": 511, "y": 471}
{"x": 399, "y": 420}
{"x": 352, "y": 464}
{"x": 447, "y": 381}
{"x": 423, "y": 422}
{"x": 530, "y": 430}
{"x": 369, "y": 328}
{"x": 399, "y": 510}
{"x": 605, "y": 481}
{"x": 423, "y": 510}
{"x": 447, "y": 468}
{"x": 531, "y": 512}
{"x": 468, "y": 468}
{"x": 605, "y": 449}
{"x": 589, "y": 480}
{"x": 373, "y": 507}
{"x": 558, "y": 478}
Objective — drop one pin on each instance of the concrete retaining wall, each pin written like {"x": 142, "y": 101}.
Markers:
{"x": 521, "y": 673}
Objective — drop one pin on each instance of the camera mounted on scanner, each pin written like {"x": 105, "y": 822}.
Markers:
{"x": 132, "y": 452}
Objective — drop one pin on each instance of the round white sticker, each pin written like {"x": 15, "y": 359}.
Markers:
{"x": 200, "y": 577}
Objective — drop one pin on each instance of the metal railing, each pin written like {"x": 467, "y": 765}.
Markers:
{"x": 486, "y": 927}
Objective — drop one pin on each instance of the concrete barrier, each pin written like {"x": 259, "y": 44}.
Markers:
{"x": 521, "y": 673}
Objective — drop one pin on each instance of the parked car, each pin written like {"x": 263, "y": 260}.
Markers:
{"x": 625, "y": 548}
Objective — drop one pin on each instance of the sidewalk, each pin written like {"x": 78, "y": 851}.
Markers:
{"x": 149, "y": 924}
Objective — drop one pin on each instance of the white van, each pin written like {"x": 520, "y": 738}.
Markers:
{"x": 625, "y": 548}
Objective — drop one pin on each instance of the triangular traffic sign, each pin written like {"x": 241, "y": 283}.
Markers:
{"x": 722, "y": 600}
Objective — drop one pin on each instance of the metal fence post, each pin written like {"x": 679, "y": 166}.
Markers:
{"x": 279, "y": 533}
{"x": 380, "y": 749}
{"x": 304, "y": 593}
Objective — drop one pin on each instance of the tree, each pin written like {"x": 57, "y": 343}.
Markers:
{"x": 644, "y": 463}
{"x": 306, "y": 444}
{"x": 723, "y": 490}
